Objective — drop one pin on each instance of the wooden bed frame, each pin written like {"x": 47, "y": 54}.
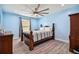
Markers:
{"x": 30, "y": 42}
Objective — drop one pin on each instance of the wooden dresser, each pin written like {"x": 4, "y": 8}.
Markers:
{"x": 6, "y": 43}
{"x": 74, "y": 31}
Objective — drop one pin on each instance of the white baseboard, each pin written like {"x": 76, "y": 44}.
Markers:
{"x": 15, "y": 38}
{"x": 67, "y": 41}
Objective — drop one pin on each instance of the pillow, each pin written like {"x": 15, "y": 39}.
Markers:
{"x": 42, "y": 28}
{"x": 47, "y": 28}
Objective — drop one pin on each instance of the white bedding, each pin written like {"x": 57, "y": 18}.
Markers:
{"x": 38, "y": 35}
{"x": 41, "y": 34}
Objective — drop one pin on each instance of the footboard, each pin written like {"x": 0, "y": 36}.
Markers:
{"x": 31, "y": 41}
{"x": 28, "y": 39}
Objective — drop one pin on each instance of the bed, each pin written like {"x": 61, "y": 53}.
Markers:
{"x": 34, "y": 37}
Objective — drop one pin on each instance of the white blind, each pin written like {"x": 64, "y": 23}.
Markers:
{"x": 25, "y": 25}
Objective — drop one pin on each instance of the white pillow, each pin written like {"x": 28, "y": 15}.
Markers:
{"x": 42, "y": 28}
{"x": 47, "y": 28}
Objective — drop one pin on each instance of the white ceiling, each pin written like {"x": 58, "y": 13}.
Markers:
{"x": 25, "y": 9}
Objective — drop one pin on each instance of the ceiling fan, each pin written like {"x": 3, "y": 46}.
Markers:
{"x": 42, "y": 12}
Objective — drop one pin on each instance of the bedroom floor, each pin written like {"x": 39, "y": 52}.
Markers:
{"x": 49, "y": 47}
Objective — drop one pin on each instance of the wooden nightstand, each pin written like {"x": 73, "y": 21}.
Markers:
{"x": 6, "y": 43}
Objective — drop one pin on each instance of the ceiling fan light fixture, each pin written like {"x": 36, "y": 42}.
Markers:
{"x": 37, "y": 12}
{"x": 62, "y": 4}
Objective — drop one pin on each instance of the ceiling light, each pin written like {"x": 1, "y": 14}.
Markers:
{"x": 62, "y": 4}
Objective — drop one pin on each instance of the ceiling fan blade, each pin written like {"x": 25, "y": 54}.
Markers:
{"x": 40, "y": 14}
{"x": 44, "y": 13}
{"x": 44, "y": 10}
{"x": 37, "y": 7}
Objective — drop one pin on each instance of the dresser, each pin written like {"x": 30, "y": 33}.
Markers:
{"x": 74, "y": 32}
{"x": 6, "y": 43}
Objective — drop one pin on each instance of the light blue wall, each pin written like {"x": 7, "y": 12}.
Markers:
{"x": 1, "y": 15}
{"x": 35, "y": 24}
{"x": 11, "y": 22}
{"x": 61, "y": 20}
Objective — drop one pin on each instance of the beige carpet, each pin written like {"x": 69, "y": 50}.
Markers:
{"x": 49, "y": 47}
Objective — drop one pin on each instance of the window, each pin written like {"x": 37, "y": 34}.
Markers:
{"x": 25, "y": 25}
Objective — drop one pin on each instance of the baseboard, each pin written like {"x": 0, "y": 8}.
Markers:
{"x": 15, "y": 38}
{"x": 67, "y": 41}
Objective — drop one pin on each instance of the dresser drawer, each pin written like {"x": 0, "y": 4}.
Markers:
{"x": 77, "y": 43}
{"x": 6, "y": 44}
